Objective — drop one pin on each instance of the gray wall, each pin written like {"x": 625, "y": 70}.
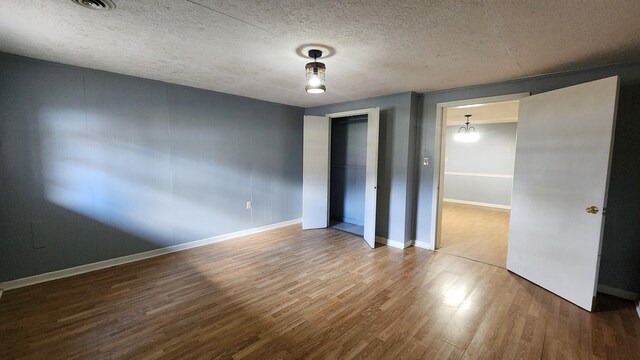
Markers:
{"x": 95, "y": 165}
{"x": 83, "y": 153}
{"x": 492, "y": 154}
{"x": 620, "y": 264}
{"x": 348, "y": 164}
{"x": 395, "y": 176}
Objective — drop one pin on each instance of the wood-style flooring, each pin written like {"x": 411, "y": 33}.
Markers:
{"x": 315, "y": 294}
{"x": 475, "y": 232}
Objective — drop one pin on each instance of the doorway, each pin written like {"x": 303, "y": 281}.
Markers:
{"x": 479, "y": 154}
{"x": 318, "y": 150}
{"x": 559, "y": 185}
{"x": 348, "y": 173}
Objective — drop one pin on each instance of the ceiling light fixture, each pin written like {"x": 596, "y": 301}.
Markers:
{"x": 315, "y": 74}
{"x": 96, "y": 4}
{"x": 467, "y": 133}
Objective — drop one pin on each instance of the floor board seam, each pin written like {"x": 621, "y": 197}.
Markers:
{"x": 467, "y": 258}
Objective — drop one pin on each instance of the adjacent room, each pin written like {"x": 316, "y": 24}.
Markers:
{"x": 479, "y": 156}
{"x": 213, "y": 179}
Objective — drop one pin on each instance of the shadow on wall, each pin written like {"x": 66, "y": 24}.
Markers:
{"x": 622, "y": 252}
{"x": 160, "y": 194}
{"x": 385, "y": 168}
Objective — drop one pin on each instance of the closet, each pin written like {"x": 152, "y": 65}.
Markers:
{"x": 340, "y": 172}
{"x": 348, "y": 173}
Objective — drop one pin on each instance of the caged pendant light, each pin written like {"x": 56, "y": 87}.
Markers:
{"x": 467, "y": 133}
{"x": 315, "y": 74}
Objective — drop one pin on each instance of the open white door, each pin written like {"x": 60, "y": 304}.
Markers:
{"x": 371, "y": 182}
{"x": 316, "y": 157}
{"x": 562, "y": 163}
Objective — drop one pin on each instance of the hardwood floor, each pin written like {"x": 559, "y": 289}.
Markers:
{"x": 475, "y": 232}
{"x": 317, "y": 294}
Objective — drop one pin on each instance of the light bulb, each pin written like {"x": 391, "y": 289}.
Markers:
{"x": 466, "y": 137}
{"x": 315, "y": 81}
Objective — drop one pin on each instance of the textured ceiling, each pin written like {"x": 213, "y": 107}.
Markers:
{"x": 499, "y": 112}
{"x": 249, "y": 47}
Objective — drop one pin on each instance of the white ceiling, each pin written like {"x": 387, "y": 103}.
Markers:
{"x": 499, "y": 112}
{"x": 248, "y": 47}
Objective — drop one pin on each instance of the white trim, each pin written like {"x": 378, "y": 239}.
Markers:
{"x": 638, "y": 308}
{"x": 59, "y": 274}
{"x": 438, "y": 156}
{"x": 505, "y": 176}
{"x": 352, "y": 112}
{"x": 394, "y": 243}
{"x": 497, "y": 206}
{"x": 623, "y": 294}
{"x": 421, "y": 244}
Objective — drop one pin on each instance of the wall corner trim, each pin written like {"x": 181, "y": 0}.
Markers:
{"x": 77, "y": 270}
{"x": 623, "y": 294}
{"x": 394, "y": 243}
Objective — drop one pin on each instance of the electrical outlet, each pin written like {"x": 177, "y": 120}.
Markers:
{"x": 248, "y": 204}
{"x": 425, "y": 161}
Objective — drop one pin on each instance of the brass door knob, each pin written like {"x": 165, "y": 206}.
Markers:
{"x": 593, "y": 209}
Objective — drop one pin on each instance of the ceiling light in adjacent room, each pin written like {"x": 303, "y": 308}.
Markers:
{"x": 315, "y": 74}
{"x": 467, "y": 133}
{"x": 96, "y": 4}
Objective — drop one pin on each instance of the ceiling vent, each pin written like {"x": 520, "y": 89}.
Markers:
{"x": 96, "y": 4}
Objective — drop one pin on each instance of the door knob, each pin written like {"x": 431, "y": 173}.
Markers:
{"x": 593, "y": 209}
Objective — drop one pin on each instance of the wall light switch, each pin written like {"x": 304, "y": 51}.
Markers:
{"x": 248, "y": 204}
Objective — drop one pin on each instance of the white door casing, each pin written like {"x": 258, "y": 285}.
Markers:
{"x": 563, "y": 154}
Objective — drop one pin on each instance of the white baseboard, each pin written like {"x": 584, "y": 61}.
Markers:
{"x": 59, "y": 274}
{"x": 423, "y": 244}
{"x": 497, "y": 206}
{"x": 394, "y": 243}
{"x": 623, "y": 294}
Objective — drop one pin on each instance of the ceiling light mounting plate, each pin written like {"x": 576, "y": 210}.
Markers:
{"x": 315, "y": 53}
{"x": 96, "y": 4}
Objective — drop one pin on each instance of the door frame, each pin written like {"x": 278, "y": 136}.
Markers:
{"x": 331, "y": 116}
{"x": 438, "y": 158}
